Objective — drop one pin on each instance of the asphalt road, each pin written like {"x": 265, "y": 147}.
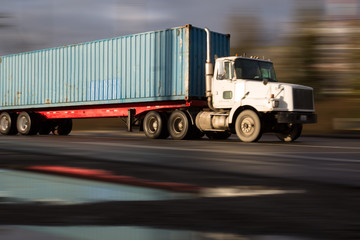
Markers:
{"x": 329, "y": 160}
{"x": 272, "y": 188}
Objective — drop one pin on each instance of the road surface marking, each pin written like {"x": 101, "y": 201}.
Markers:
{"x": 289, "y": 156}
{"x": 72, "y": 146}
{"x": 244, "y": 191}
{"x": 313, "y": 146}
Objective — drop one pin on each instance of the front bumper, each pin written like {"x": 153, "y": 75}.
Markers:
{"x": 296, "y": 117}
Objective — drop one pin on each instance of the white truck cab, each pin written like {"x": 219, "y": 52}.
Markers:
{"x": 245, "y": 98}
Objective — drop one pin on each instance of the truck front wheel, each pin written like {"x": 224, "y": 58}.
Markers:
{"x": 248, "y": 126}
{"x": 290, "y": 133}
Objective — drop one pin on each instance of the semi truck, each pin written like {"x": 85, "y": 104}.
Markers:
{"x": 178, "y": 82}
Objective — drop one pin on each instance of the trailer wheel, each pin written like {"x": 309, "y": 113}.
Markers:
{"x": 179, "y": 125}
{"x": 248, "y": 126}
{"x": 154, "y": 125}
{"x": 27, "y": 123}
{"x": 8, "y": 123}
{"x": 290, "y": 133}
{"x": 218, "y": 135}
{"x": 45, "y": 127}
{"x": 62, "y": 127}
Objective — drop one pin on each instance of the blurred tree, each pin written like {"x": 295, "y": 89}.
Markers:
{"x": 308, "y": 56}
{"x": 304, "y": 56}
{"x": 2, "y": 23}
{"x": 245, "y": 33}
{"x": 355, "y": 57}
{"x": 324, "y": 53}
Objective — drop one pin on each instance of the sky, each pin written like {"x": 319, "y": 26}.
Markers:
{"x": 27, "y": 25}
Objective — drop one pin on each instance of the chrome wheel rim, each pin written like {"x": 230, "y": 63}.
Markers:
{"x": 153, "y": 125}
{"x": 4, "y": 123}
{"x": 247, "y": 126}
{"x": 23, "y": 124}
{"x": 178, "y": 125}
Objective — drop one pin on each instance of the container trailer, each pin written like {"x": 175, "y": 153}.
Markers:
{"x": 165, "y": 81}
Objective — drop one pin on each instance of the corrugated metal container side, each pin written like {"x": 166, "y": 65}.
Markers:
{"x": 153, "y": 66}
{"x": 220, "y": 47}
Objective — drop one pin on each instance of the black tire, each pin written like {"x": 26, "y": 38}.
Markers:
{"x": 8, "y": 123}
{"x": 248, "y": 126}
{"x": 218, "y": 135}
{"x": 154, "y": 125}
{"x": 196, "y": 133}
{"x": 27, "y": 123}
{"x": 179, "y": 125}
{"x": 62, "y": 127}
{"x": 290, "y": 133}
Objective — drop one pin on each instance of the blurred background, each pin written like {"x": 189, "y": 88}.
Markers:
{"x": 311, "y": 42}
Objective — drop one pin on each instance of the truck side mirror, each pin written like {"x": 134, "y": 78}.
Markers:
{"x": 220, "y": 71}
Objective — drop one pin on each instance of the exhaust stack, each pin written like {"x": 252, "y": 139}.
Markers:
{"x": 209, "y": 69}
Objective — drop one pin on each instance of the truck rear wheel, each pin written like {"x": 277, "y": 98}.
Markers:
{"x": 27, "y": 123}
{"x": 8, "y": 123}
{"x": 290, "y": 133}
{"x": 179, "y": 125}
{"x": 248, "y": 126}
{"x": 154, "y": 125}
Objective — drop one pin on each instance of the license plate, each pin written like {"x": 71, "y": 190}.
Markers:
{"x": 303, "y": 117}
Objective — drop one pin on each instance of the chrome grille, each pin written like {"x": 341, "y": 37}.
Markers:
{"x": 303, "y": 99}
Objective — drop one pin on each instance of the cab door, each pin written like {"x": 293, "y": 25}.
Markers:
{"x": 223, "y": 85}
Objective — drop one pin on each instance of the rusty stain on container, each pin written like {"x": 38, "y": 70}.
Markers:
{"x": 47, "y": 101}
{"x": 18, "y": 97}
{"x": 159, "y": 89}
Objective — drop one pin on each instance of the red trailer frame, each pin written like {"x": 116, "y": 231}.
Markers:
{"x": 38, "y": 118}
{"x": 118, "y": 110}
{"x": 131, "y": 111}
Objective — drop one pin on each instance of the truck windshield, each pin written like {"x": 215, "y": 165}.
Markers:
{"x": 254, "y": 70}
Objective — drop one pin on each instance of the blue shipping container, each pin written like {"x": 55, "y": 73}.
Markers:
{"x": 153, "y": 66}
